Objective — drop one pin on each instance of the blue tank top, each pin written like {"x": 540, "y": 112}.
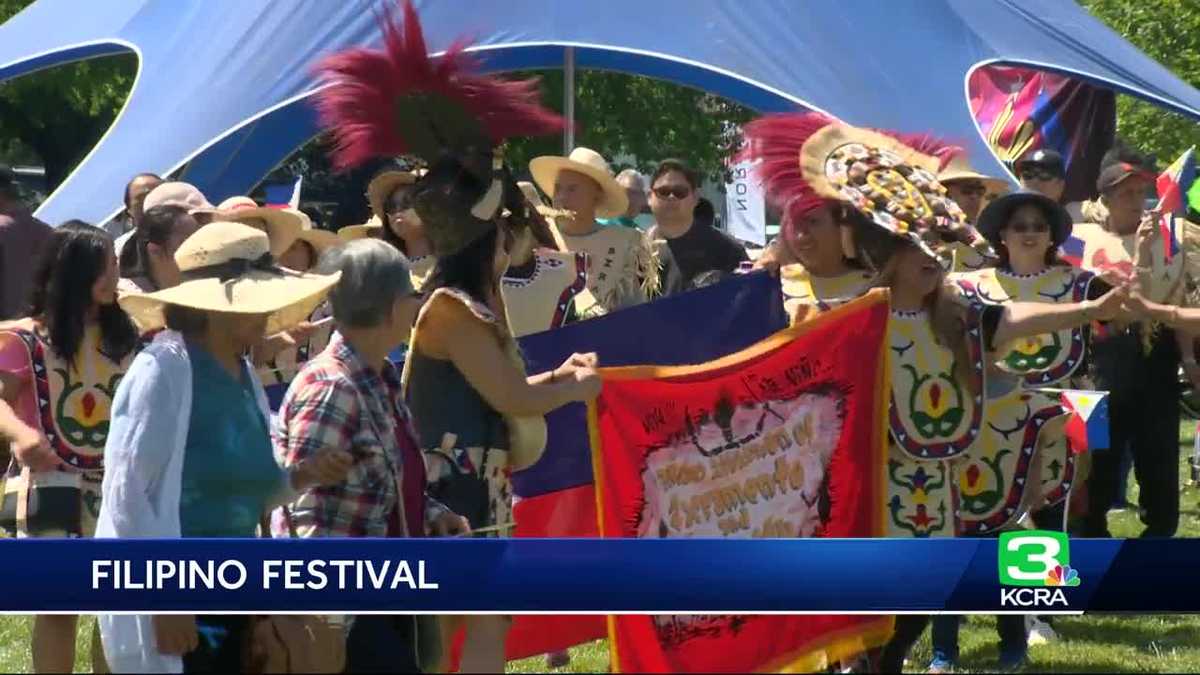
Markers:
{"x": 229, "y": 469}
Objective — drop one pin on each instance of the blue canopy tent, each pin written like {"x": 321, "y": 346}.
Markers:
{"x": 223, "y": 85}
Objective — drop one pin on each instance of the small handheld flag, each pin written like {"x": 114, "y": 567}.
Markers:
{"x": 1072, "y": 251}
{"x": 1174, "y": 186}
{"x": 1087, "y": 428}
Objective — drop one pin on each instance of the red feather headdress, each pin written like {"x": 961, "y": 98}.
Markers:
{"x": 399, "y": 101}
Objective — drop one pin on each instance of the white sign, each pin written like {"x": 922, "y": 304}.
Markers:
{"x": 744, "y": 205}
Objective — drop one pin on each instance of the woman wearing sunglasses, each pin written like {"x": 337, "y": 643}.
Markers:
{"x": 1025, "y": 229}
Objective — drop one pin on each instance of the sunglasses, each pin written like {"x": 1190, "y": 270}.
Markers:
{"x": 667, "y": 191}
{"x": 1039, "y": 174}
{"x": 1036, "y": 227}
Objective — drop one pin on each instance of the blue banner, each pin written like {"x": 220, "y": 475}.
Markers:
{"x": 1022, "y": 572}
{"x": 693, "y": 327}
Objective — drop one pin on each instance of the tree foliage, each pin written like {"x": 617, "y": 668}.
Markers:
{"x": 1169, "y": 32}
{"x": 58, "y": 114}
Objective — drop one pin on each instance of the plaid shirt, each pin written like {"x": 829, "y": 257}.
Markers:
{"x": 336, "y": 401}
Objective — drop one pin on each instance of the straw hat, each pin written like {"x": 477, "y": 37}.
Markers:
{"x": 590, "y": 163}
{"x": 227, "y": 267}
{"x": 960, "y": 169}
{"x": 283, "y": 225}
{"x": 320, "y": 240}
{"x": 372, "y": 228}
{"x": 382, "y": 186}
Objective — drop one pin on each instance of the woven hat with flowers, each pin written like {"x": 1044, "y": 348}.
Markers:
{"x": 810, "y": 160}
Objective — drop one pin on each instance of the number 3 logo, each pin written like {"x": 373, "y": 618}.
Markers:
{"x": 1026, "y": 558}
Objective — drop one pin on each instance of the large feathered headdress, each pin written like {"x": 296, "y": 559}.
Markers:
{"x": 807, "y": 160}
{"x": 399, "y": 101}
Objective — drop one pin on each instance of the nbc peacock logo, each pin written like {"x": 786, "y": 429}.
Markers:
{"x": 1038, "y": 561}
{"x": 1062, "y": 576}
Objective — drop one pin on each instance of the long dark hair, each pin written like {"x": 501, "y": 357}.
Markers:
{"x": 470, "y": 270}
{"x": 156, "y": 227}
{"x": 74, "y": 259}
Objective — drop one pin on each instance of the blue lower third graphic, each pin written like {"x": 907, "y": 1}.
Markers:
{"x": 595, "y": 575}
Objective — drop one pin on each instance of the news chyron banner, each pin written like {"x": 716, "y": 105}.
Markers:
{"x": 778, "y": 441}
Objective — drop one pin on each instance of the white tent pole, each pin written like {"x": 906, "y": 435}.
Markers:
{"x": 569, "y": 99}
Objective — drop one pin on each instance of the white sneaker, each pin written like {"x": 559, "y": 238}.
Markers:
{"x": 1040, "y": 632}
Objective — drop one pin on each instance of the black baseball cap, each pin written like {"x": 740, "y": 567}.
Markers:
{"x": 1043, "y": 158}
{"x": 1115, "y": 173}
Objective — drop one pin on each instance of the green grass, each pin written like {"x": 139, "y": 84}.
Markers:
{"x": 1089, "y": 644}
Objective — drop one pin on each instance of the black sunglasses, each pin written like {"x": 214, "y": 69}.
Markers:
{"x": 1039, "y": 174}
{"x": 678, "y": 191}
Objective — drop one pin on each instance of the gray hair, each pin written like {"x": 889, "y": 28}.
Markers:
{"x": 374, "y": 274}
{"x": 638, "y": 180}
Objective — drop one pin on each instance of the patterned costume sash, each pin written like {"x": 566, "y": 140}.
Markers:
{"x": 74, "y": 404}
{"x": 802, "y": 288}
{"x": 541, "y": 302}
{"x": 959, "y": 463}
{"x": 73, "y": 407}
{"x": 1045, "y": 359}
{"x": 933, "y": 415}
{"x": 621, "y": 265}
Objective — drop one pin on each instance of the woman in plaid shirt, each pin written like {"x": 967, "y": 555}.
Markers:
{"x": 348, "y": 397}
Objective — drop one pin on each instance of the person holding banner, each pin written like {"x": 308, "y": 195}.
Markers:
{"x": 58, "y": 368}
{"x": 168, "y": 475}
{"x": 948, "y": 472}
{"x": 478, "y": 417}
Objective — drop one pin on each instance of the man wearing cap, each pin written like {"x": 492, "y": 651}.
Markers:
{"x": 621, "y": 267}
{"x": 1137, "y": 363}
{"x": 1044, "y": 171}
{"x": 21, "y": 239}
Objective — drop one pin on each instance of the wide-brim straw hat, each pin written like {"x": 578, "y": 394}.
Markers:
{"x": 283, "y": 225}
{"x": 372, "y": 228}
{"x": 227, "y": 267}
{"x": 382, "y": 186}
{"x": 958, "y": 170}
{"x": 320, "y": 240}
{"x": 615, "y": 200}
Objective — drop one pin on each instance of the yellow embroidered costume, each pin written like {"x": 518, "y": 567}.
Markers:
{"x": 71, "y": 405}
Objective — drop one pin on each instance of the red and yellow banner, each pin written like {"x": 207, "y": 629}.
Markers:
{"x": 784, "y": 439}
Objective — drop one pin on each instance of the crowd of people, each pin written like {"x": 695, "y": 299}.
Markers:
{"x": 367, "y": 383}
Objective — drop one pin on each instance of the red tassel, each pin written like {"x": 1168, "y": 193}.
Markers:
{"x": 359, "y": 103}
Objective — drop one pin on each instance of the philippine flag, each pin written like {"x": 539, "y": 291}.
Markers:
{"x": 1087, "y": 428}
{"x": 1173, "y": 186}
{"x": 1072, "y": 251}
